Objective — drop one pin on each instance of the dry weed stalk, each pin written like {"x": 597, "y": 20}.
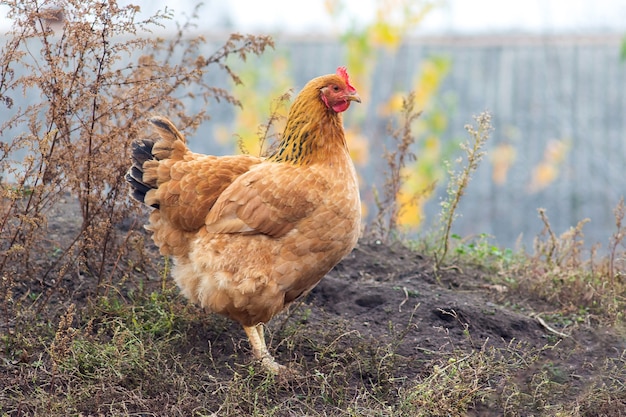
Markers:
{"x": 616, "y": 239}
{"x": 268, "y": 137}
{"x": 61, "y": 347}
{"x": 388, "y": 207}
{"x": 459, "y": 181}
{"x": 560, "y": 251}
{"x": 64, "y": 337}
{"x": 99, "y": 73}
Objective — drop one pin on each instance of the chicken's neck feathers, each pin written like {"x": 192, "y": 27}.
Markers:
{"x": 313, "y": 134}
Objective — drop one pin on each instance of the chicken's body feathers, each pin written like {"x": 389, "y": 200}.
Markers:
{"x": 251, "y": 278}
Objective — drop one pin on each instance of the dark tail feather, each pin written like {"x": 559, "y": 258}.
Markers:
{"x": 141, "y": 152}
{"x": 138, "y": 190}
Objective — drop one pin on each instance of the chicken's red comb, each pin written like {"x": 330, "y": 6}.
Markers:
{"x": 343, "y": 73}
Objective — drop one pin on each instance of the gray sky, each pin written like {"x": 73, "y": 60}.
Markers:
{"x": 457, "y": 16}
{"x": 454, "y": 16}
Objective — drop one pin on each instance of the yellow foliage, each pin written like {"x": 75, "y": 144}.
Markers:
{"x": 396, "y": 18}
{"x": 432, "y": 73}
{"x": 432, "y": 146}
{"x": 333, "y": 7}
{"x": 548, "y": 169}
{"x": 502, "y": 158}
{"x": 392, "y": 106}
{"x": 438, "y": 121}
{"x": 412, "y": 212}
{"x": 384, "y": 34}
{"x": 543, "y": 175}
{"x": 415, "y": 192}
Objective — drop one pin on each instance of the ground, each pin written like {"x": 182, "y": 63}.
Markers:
{"x": 381, "y": 334}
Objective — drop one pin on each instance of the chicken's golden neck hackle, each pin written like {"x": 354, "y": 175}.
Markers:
{"x": 314, "y": 130}
{"x": 250, "y": 235}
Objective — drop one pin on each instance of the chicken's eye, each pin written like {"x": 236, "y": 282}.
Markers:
{"x": 335, "y": 88}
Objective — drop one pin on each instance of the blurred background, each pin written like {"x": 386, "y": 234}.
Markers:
{"x": 551, "y": 72}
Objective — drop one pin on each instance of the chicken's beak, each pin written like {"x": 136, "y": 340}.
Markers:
{"x": 353, "y": 97}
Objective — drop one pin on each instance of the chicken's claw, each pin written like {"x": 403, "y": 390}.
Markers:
{"x": 260, "y": 352}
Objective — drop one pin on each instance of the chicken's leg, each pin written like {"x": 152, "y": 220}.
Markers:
{"x": 259, "y": 349}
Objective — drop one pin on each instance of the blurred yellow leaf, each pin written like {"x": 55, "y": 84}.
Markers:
{"x": 333, "y": 7}
{"x": 415, "y": 191}
{"x": 432, "y": 144}
{"x": 420, "y": 175}
{"x": 548, "y": 169}
{"x": 392, "y": 106}
{"x": 502, "y": 158}
{"x": 412, "y": 213}
{"x": 432, "y": 73}
{"x": 543, "y": 175}
{"x": 439, "y": 121}
{"x": 383, "y": 34}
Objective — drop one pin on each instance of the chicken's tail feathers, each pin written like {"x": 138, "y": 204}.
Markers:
{"x": 147, "y": 155}
{"x": 139, "y": 182}
{"x": 172, "y": 142}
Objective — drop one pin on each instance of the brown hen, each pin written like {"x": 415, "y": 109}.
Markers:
{"x": 250, "y": 235}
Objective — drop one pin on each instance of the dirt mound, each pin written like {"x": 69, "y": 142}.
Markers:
{"x": 377, "y": 285}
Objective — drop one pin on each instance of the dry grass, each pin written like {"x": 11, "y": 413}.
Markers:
{"x": 579, "y": 283}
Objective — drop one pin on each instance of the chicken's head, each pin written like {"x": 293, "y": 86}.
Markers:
{"x": 338, "y": 92}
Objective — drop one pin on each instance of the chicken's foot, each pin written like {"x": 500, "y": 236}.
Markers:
{"x": 259, "y": 349}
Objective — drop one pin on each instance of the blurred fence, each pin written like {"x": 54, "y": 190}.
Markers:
{"x": 538, "y": 90}
{"x": 571, "y": 89}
